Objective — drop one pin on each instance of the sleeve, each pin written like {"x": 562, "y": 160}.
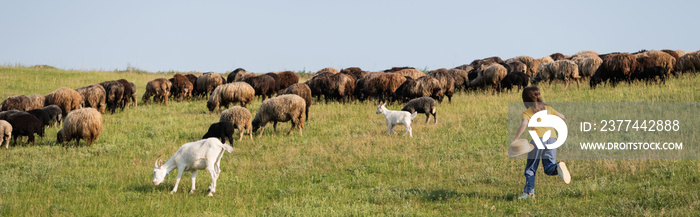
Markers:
{"x": 554, "y": 112}
{"x": 526, "y": 115}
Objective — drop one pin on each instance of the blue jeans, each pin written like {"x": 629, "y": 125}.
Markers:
{"x": 549, "y": 158}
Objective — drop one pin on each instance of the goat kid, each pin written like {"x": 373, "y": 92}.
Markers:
{"x": 193, "y": 156}
{"x": 394, "y": 118}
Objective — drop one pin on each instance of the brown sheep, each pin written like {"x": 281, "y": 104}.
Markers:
{"x": 564, "y": 70}
{"x": 355, "y": 72}
{"x": 426, "y": 86}
{"x": 490, "y": 76}
{"x": 332, "y": 86}
{"x": 283, "y": 108}
{"x": 240, "y": 118}
{"x": 129, "y": 96}
{"x": 587, "y": 53}
{"x": 587, "y": 65}
{"x": 680, "y": 53}
{"x": 95, "y": 96}
{"x": 461, "y": 78}
{"x": 544, "y": 60}
{"x": 229, "y": 93}
{"x": 287, "y": 78}
{"x": 65, "y": 98}
{"x": 159, "y": 88}
{"x": 383, "y": 85}
{"x": 236, "y": 75}
{"x": 557, "y": 56}
{"x": 465, "y": 67}
{"x": 616, "y": 67}
{"x": 264, "y": 85}
{"x": 447, "y": 82}
{"x": 182, "y": 87}
{"x": 661, "y": 59}
{"x": 275, "y": 76}
{"x": 328, "y": 69}
{"x": 37, "y": 101}
{"x": 477, "y": 64}
{"x": 19, "y": 102}
{"x": 532, "y": 64}
{"x": 207, "y": 82}
{"x": 411, "y": 72}
{"x": 515, "y": 66}
{"x": 690, "y": 62}
{"x": 193, "y": 80}
{"x": 85, "y": 123}
{"x": 5, "y": 133}
{"x": 114, "y": 93}
{"x": 303, "y": 91}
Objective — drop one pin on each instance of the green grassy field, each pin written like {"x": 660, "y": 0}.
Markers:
{"x": 344, "y": 164}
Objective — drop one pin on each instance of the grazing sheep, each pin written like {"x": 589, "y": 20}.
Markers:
{"x": 264, "y": 85}
{"x": 236, "y": 75}
{"x": 221, "y": 130}
{"x": 478, "y": 64}
{"x": 129, "y": 95}
{"x": 650, "y": 74}
{"x": 55, "y": 114}
{"x": 207, "y": 82}
{"x": 328, "y": 69}
{"x": 354, "y": 72}
{"x": 5, "y": 114}
{"x": 465, "y": 67}
{"x": 447, "y": 82}
{"x": 65, "y": 98}
{"x": 563, "y": 70}
{"x": 425, "y": 86}
{"x": 181, "y": 87}
{"x": 275, "y": 76}
{"x": 394, "y": 118}
{"x": 303, "y": 91}
{"x": 85, "y": 123}
{"x": 240, "y": 118}
{"x": 660, "y": 59}
{"x": 25, "y": 124}
{"x": 37, "y": 101}
{"x": 287, "y": 78}
{"x": 587, "y": 65}
{"x": 490, "y": 76}
{"x": 615, "y": 68}
{"x": 533, "y": 64}
{"x": 193, "y": 80}
{"x": 95, "y": 96}
{"x": 545, "y": 60}
{"x": 5, "y": 133}
{"x": 133, "y": 95}
{"x": 382, "y": 86}
{"x": 519, "y": 79}
{"x": 689, "y": 62}
{"x": 461, "y": 78}
{"x": 42, "y": 115}
{"x": 674, "y": 54}
{"x": 515, "y": 66}
{"x": 159, "y": 88}
{"x": 338, "y": 87}
{"x": 410, "y": 72}
{"x": 557, "y": 56}
{"x": 234, "y": 92}
{"x": 114, "y": 93}
{"x": 587, "y": 53}
{"x": 425, "y": 105}
{"x": 19, "y": 102}
{"x": 643, "y": 62}
{"x": 289, "y": 107}
{"x": 200, "y": 155}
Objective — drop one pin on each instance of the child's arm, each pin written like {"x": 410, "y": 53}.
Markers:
{"x": 522, "y": 127}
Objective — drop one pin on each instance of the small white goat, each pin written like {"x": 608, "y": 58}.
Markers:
{"x": 193, "y": 156}
{"x": 394, "y": 118}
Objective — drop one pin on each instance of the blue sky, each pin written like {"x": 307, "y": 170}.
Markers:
{"x": 269, "y": 36}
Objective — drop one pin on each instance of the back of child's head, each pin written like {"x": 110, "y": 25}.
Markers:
{"x": 532, "y": 98}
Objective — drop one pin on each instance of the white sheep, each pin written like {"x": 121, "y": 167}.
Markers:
{"x": 394, "y": 118}
{"x": 193, "y": 156}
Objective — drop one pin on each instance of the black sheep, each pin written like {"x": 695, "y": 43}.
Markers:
{"x": 221, "y": 130}
{"x": 42, "y": 115}
{"x": 25, "y": 124}
{"x": 519, "y": 79}
{"x": 114, "y": 93}
{"x": 264, "y": 85}
{"x": 425, "y": 105}
{"x": 650, "y": 73}
{"x": 55, "y": 113}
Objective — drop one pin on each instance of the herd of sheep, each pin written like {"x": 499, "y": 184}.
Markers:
{"x": 82, "y": 108}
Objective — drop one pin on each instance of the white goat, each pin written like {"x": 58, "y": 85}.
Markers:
{"x": 394, "y": 118}
{"x": 193, "y": 156}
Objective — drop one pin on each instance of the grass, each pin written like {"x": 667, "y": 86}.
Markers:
{"x": 344, "y": 164}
